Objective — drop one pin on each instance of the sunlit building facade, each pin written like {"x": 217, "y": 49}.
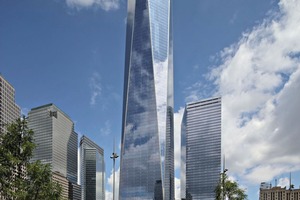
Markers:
{"x": 56, "y": 140}
{"x": 279, "y": 193}
{"x": 201, "y": 149}
{"x": 92, "y": 170}
{"x": 147, "y": 143}
{"x": 9, "y": 110}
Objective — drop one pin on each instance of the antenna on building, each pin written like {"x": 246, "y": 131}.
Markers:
{"x": 291, "y": 185}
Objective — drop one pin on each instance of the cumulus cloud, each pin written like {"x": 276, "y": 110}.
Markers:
{"x": 284, "y": 182}
{"x": 95, "y": 87}
{"x": 106, "y": 130}
{"x": 259, "y": 81}
{"x": 109, "y": 194}
{"x": 106, "y": 5}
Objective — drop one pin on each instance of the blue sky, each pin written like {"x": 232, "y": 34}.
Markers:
{"x": 71, "y": 53}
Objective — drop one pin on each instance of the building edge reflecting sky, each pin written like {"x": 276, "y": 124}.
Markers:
{"x": 201, "y": 149}
{"x": 147, "y": 146}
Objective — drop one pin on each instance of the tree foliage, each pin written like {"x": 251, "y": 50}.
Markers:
{"x": 20, "y": 179}
{"x": 228, "y": 189}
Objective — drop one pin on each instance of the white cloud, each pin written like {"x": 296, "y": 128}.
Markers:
{"x": 106, "y": 5}
{"x": 109, "y": 194}
{"x": 177, "y": 188}
{"x": 95, "y": 87}
{"x": 177, "y": 137}
{"x": 106, "y": 130}
{"x": 259, "y": 81}
{"x": 284, "y": 182}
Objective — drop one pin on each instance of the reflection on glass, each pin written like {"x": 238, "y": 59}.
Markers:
{"x": 92, "y": 170}
{"x": 147, "y": 153}
{"x": 201, "y": 149}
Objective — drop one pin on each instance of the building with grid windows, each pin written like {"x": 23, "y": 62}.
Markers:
{"x": 279, "y": 193}
{"x": 147, "y": 142}
{"x": 56, "y": 140}
{"x": 9, "y": 110}
{"x": 201, "y": 149}
{"x": 92, "y": 170}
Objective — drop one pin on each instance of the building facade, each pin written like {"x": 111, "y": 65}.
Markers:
{"x": 147, "y": 143}
{"x": 92, "y": 170}
{"x": 279, "y": 193}
{"x": 74, "y": 191}
{"x": 56, "y": 140}
{"x": 201, "y": 149}
{"x": 63, "y": 182}
{"x": 9, "y": 110}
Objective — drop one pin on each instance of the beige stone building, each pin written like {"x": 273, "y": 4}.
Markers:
{"x": 279, "y": 193}
{"x": 9, "y": 110}
{"x": 64, "y": 183}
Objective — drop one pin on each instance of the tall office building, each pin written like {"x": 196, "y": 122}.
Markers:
{"x": 201, "y": 149}
{"x": 92, "y": 170}
{"x": 147, "y": 146}
{"x": 9, "y": 110}
{"x": 56, "y": 140}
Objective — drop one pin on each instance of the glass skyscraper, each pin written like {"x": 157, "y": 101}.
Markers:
{"x": 201, "y": 149}
{"x": 55, "y": 138}
{"x": 92, "y": 172}
{"x": 147, "y": 146}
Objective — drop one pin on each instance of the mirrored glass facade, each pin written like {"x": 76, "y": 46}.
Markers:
{"x": 55, "y": 138}
{"x": 92, "y": 170}
{"x": 201, "y": 149}
{"x": 147, "y": 147}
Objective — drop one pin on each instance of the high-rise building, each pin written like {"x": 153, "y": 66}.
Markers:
{"x": 63, "y": 182}
{"x": 92, "y": 170}
{"x": 74, "y": 191}
{"x": 9, "y": 110}
{"x": 201, "y": 149}
{"x": 56, "y": 140}
{"x": 147, "y": 145}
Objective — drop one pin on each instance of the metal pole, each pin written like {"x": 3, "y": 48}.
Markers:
{"x": 114, "y": 181}
{"x": 114, "y": 156}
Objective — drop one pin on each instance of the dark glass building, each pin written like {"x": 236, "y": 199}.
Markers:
{"x": 147, "y": 146}
{"x": 201, "y": 149}
{"x": 92, "y": 172}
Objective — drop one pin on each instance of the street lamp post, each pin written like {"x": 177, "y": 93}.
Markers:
{"x": 114, "y": 156}
{"x": 223, "y": 182}
{"x": 223, "y": 178}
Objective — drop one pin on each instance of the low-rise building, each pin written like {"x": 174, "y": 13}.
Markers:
{"x": 279, "y": 193}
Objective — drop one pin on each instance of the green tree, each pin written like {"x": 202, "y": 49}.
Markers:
{"x": 228, "y": 189}
{"x": 40, "y": 184}
{"x": 20, "y": 179}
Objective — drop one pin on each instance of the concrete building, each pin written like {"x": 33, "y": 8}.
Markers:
{"x": 9, "y": 110}
{"x": 201, "y": 149}
{"x": 279, "y": 193}
{"x": 64, "y": 183}
{"x": 147, "y": 144}
{"x": 92, "y": 170}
